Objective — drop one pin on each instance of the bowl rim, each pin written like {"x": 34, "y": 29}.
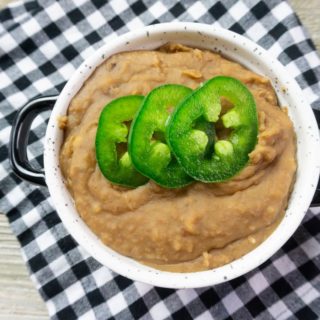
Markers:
{"x": 124, "y": 265}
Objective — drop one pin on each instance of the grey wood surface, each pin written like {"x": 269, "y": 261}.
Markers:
{"x": 19, "y": 300}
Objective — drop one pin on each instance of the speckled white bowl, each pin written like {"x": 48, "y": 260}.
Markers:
{"x": 238, "y": 49}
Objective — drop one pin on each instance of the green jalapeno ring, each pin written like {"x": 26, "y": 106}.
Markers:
{"x": 112, "y": 132}
{"x": 148, "y": 147}
{"x": 228, "y": 156}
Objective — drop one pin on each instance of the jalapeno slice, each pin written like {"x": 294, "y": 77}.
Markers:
{"x": 111, "y": 142}
{"x": 148, "y": 146}
{"x": 190, "y": 145}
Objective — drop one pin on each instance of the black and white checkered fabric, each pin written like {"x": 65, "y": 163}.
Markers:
{"x": 41, "y": 44}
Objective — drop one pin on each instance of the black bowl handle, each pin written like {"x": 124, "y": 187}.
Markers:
{"x": 316, "y": 198}
{"x": 19, "y": 139}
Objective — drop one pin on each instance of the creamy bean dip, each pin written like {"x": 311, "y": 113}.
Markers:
{"x": 201, "y": 226}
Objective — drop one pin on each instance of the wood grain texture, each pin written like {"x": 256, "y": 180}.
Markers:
{"x": 3, "y": 3}
{"x": 309, "y": 13}
{"x": 19, "y": 300}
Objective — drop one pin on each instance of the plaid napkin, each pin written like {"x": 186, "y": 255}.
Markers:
{"x": 41, "y": 44}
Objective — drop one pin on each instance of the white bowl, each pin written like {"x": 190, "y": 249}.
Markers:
{"x": 236, "y": 48}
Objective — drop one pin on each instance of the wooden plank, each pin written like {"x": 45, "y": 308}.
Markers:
{"x": 19, "y": 299}
{"x": 309, "y": 13}
{"x": 3, "y": 3}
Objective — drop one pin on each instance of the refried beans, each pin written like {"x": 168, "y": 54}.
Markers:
{"x": 198, "y": 227}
